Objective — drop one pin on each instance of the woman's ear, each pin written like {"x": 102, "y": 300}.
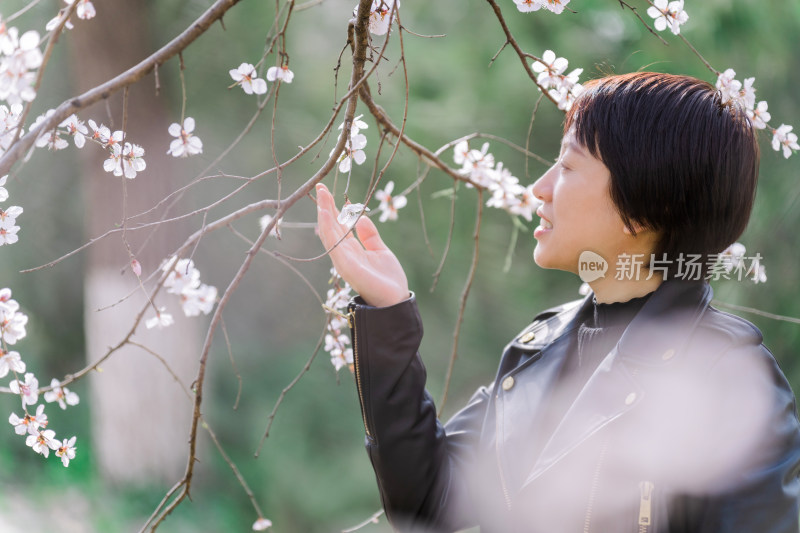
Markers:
{"x": 637, "y": 229}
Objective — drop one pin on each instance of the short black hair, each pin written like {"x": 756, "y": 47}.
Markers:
{"x": 682, "y": 163}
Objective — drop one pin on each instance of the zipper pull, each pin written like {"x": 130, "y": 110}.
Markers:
{"x": 351, "y": 315}
{"x": 646, "y": 504}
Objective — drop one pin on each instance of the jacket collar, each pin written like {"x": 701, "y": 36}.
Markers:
{"x": 656, "y": 334}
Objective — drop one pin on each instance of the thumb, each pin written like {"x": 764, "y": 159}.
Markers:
{"x": 368, "y": 234}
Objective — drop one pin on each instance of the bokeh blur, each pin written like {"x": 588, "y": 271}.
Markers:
{"x": 312, "y": 474}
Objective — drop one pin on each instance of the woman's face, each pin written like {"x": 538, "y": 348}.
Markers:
{"x": 577, "y": 212}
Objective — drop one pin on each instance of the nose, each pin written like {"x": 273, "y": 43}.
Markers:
{"x": 543, "y": 187}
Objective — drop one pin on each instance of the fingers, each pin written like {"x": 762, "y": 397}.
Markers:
{"x": 368, "y": 234}
{"x": 330, "y": 231}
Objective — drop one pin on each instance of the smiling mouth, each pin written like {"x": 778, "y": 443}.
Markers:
{"x": 544, "y": 224}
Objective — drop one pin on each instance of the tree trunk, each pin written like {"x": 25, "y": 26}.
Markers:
{"x": 140, "y": 414}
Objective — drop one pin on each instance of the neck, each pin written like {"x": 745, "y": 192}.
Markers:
{"x": 609, "y": 289}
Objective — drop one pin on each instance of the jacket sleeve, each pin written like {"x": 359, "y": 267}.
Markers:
{"x": 418, "y": 465}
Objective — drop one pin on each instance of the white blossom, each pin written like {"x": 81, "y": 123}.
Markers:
{"x": 160, "y": 321}
{"x": 43, "y": 442}
{"x": 389, "y": 204}
{"x": 183, "y": 276}
{"x": 62, "y": 395}
{"x": 782, "y": 138}
{"x": 247, "y": 77}
{"x": 85, "y": 9}
{"x": 350, "y": 213}
{"x": 28, "y": 389}
{"x": 77, "y": 129}
{"x": 66, "y": 451}
{"x": 12, "y": 321}
{"x": 10, "y": 361}
{"x": 353, "y": 151}
{"x": 665, "y": 14}
{"x": 381, "y": 16}
{"x": 261, "y": 524}
{"x": 264, "y": 221}
{"x": 759, "y": 116}
{"x": 526, "y": 6}
{"x": 199, "y": 300}
{"x": 132, "y": 160}
{"x": 29, "y": 423}
{"x": 186, "y": 143}
{"x": 280, "y": 73}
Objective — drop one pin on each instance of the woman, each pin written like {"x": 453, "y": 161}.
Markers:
{"x": 639, "y": 408}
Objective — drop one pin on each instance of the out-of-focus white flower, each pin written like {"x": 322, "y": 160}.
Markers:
{"x": 782, "y": 138}
{"x": 161, "y": 320}
{"x": 66, "y": 451}
{"x": 9, "y": 120}
{"x": 389, "y": 204}
{"x": 350, "y": 213}
{"x": 199, "y": 300}
{"x": 22, "y": 58}
{"x": 43, "y": 442}
{"x": 671, "y": 15}
{"x": 186, "y": 143}
{"x": 184, "y": 276}
{"x": 12, "y": 321}
{"x": 264, "y": 221}
{"x": 85, "y": 9}
{"x": 247, "y": 77}
{"x": 10, "y": 361}
{"x": 62, "y": 395}
{"x": 261, "y": 524}
{"x": 8, "y": 234}
{"x": 3, "y": 191}
{"x": 280, "y": 73}
{"x": 28, "y": 390}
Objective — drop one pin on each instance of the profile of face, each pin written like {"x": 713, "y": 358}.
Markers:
{"x": 577, "y": 213}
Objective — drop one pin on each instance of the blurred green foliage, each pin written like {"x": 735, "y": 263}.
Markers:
{"x": 312, "y": 474}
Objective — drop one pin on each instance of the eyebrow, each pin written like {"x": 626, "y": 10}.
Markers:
{"x": 573, "y": 145}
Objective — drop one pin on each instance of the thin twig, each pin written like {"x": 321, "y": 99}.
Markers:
{"x": 463, "y": 304}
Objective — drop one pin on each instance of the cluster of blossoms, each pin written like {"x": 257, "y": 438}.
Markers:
{"x": 337, "y": 341}
{"x": 247, "y": 78}
{"x": 124, "y": 158}
{"x": 8, "y": 217}
{"x": 556, "y": 6}
{"x": 354, "y": 147}
{"x": 507, "y": 193}
{"x": 19, "y": 58}
{"x": 183, "y": 279}
{"x": 85, "y": 11}
{"x": 744, "y": 94}
{"x": 563, "y": 88}
{"x": 668, "y": 15}
{"x": 9, "y": 120}
{"x": 42, "y": 440}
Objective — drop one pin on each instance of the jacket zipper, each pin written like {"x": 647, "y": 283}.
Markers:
{"x": 646, "y": 506}
{"x": 595, "y": 482}
{"x": 351, "y": 321}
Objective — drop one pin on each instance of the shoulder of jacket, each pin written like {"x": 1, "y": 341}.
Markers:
{"x": 553, "y": 311}
{"x": 729, "y": 329}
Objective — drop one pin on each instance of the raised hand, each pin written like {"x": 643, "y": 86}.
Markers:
{"x": 368, "y": 266}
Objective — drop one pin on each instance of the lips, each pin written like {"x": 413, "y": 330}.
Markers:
{"x": 545, "y": 223}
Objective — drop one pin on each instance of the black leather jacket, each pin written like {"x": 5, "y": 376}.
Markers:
{"x": 688, "y": 425}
